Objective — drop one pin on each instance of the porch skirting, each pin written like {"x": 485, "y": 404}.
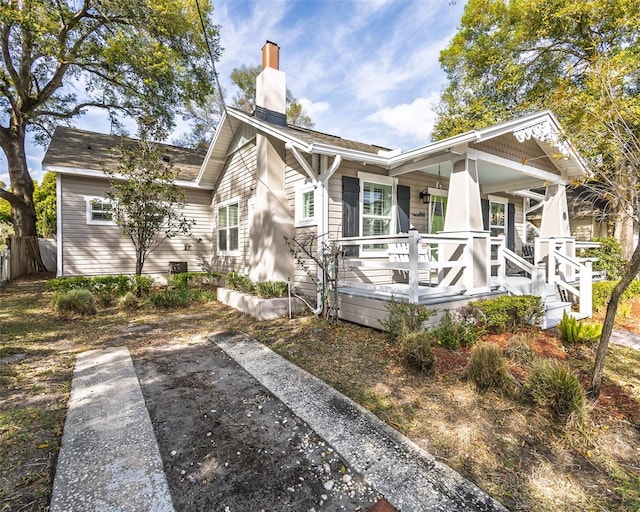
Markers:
{"x": 367, "y": 309}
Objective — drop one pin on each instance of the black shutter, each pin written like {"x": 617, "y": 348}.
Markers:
{"x": 511, "y": 227}
{"x": 403, "y": 199}
{"x": 484, "y": 204}
{"x": 350, "y": 211}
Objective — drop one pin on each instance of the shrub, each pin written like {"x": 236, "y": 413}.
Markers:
{"x": 451, "y": 331}
{"x": 141, "y": 285}
{"x": 487, "y": 368}
{"x": 602, "y": 293}
{"x": 576, "y": 331}
{"x": 553, "y": 386}
{"x": 64, "y": 284}
{"x": 239, "y": 282}
{"x": 77, "y": 301}
{"x": 128, "y": 302}
{"x": 609, "y": 258}
{"x": 520, "y": 349}
{"x": 194, "y": 279}
{"x": 404, "y": 317}
{"x": 270, "y": 289}
{"x": 106, "y": 288}
{"x": 171, "y": 298}
{"x": 624, "y": 309}
{"x": 416, "y": 350}
{"x": 509, "y": 313}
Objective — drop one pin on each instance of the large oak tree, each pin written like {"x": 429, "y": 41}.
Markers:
{"x": 138, "y": 58}
{"x": 580, "y": 58}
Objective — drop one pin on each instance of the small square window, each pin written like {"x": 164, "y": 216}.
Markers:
{"x": 305, "y": 205}
{"x": 100, "y": 211}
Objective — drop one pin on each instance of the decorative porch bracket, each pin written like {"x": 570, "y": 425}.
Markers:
{"x": 544, "y": 132}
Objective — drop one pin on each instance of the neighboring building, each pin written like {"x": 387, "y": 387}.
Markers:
{"x": 262, "y": 180}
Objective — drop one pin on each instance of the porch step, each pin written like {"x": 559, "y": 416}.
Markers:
{"x": 554, "y": 311}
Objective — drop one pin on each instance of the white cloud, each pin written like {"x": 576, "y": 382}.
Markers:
{"x": 414, "y": 119}
{"x": 314, "y": 108}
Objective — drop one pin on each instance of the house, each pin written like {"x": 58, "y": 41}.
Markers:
{"x": 89, "y": 241}
{"x": 440, "y": 224}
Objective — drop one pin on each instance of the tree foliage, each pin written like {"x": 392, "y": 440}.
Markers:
{"x": 148, "y": 205}
{"x": 516, "y": 57}
{"x": 44, "y": 197}
{"x": 579, "y": 58}
{"x": 60, "y": 57}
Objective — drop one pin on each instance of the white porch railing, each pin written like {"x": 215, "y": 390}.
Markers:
{"x": 565, "y": 270}
{"x": 433, "y": 264}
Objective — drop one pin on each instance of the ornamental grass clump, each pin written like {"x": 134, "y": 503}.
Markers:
{"x": 520, "y": 349}
{"x": 554, "y": 387}
{"x": 417, "y": 352}
{"x": 129, "y": 302}
{"x": 487, "y": 367}
{"x": 77, "y": 301}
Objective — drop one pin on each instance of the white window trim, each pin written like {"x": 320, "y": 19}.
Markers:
{"x": 300, "y": 191}
{"x": 89, "y": 211}
{"x": 223, "y": 204}
{"x": 380, "y": 180}
{"x": 505, "y": 202}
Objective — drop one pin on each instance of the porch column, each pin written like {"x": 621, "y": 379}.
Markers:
{"x": 464, "y": 210}
{"x": 555, "y": 214}
{"x": 555, "y": 225}
{"x": 464, "y": 216}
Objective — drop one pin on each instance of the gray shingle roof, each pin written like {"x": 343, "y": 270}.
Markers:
{"x": 83, "y": 149}
{"x": 311, "y": 136}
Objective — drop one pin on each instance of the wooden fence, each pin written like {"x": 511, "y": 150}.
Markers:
{"x": 16, "y": 259}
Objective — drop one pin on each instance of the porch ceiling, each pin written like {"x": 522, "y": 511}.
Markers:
{"x": 493, "y": 176}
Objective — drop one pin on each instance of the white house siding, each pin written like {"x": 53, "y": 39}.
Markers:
{"x": 294, "y": 177}
{"x": 97, "y": 249}
{"x": 238, "y": 181}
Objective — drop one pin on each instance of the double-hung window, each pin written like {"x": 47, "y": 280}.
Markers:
{"x": 305, "y": 205}
{"x": 228, "y": 228}
{"x": 377, "y": 208}
{"x": 100, "y": 210}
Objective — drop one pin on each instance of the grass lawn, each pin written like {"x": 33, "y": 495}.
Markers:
{"x": 513, "y": 450}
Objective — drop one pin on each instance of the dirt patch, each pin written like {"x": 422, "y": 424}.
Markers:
{"x": 229, "y": 445}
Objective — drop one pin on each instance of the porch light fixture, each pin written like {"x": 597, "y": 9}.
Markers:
{"x": 424, "y": 195}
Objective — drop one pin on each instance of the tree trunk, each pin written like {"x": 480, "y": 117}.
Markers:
{"x": 23, "y": 212}
{"x": 624, "y": 232}
{"x": 607, "y": 328}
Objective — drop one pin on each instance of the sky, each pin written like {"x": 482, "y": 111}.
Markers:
{"x": 365, "y": 70}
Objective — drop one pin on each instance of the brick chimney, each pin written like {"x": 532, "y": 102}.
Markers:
{"x": 271, "y": 89}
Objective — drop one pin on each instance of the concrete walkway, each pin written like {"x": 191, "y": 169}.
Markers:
{"x": 109, "y": 460}
{"x": 626, "y": 338}
{"x": 409, "y": 477}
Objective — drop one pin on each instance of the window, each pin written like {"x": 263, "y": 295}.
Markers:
{"x": 497, "y": 216}
{"x": 437, "y": 209}
{"x": 99, "y": 210}
{"x": 305, "y": 205}
{"x": 377, "y": 208}
{"x": 228, "y": 232}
